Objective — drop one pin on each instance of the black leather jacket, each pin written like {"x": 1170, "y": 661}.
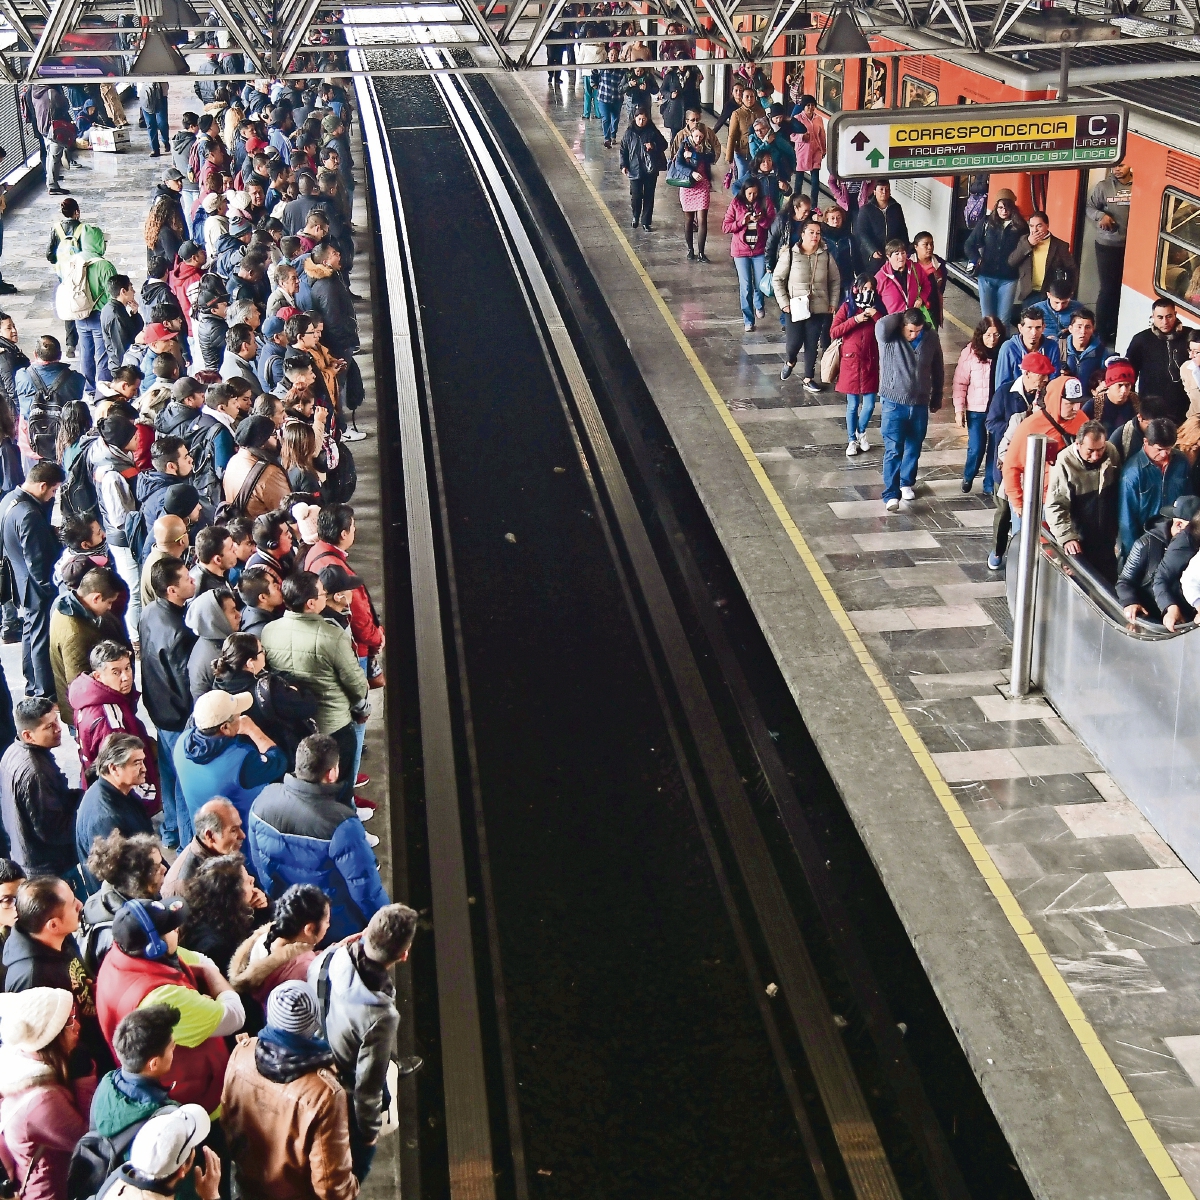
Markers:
{"x": 1135, "y": 585}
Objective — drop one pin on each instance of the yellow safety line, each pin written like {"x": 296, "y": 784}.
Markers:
{"x": 956, "y": 322}
{"x": 1131, "y": 1112}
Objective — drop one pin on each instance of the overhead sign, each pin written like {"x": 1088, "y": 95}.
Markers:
{"x": 1045, "y": 136}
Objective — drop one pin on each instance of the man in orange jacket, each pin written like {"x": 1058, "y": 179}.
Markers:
{"x": 1059, "y": 416}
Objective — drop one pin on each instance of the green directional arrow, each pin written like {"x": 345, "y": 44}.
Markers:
{"x": 875, "y": 158}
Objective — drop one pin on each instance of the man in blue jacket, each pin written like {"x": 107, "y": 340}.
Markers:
{"x": 224, "y": 753}
{"x": 301, "y": 831}
{"x": 1153, "y": 479}
{"x": 1029, "y": 339}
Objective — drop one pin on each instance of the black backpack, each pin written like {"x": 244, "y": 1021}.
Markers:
{"x": 201, "y": 440}
{"x": 94, "y": 1160}
{"x": 45, "y": 415}
{"x": 78, "y": 495}
{"x": 341, "y": 482}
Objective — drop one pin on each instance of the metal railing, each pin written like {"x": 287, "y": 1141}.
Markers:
{"x": 1128, "y": 689}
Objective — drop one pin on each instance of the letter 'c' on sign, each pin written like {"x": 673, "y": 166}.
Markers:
{"x": 1097, "y": 125}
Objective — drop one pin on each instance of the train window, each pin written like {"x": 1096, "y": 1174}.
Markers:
{"x": 875, "y": 83}
{"x": 831, "y": 78}
{"x": 1177, "y": 271}
{"x": 915, "y": 94}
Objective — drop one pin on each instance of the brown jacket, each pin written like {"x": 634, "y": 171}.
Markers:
{"x": 1059, "y": 261}
{"x": 288, "y": 1141}
{"x": 270, "y": 492}
{"x": 741, "y": 123}
{"x": 187, "y": 862}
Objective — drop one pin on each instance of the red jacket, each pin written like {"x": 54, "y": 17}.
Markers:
{"x": 859, "y": 372}
{"x": 100, "y": 711}
{"x": 184, "y": 282}
{"x": 364, "y": 628}
{"x": 123, "y": 983}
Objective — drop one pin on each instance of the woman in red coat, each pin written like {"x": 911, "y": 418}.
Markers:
{"x": 858, "y": 378}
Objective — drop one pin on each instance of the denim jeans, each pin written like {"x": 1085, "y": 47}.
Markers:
{"x": 977, "y": 439}
{"x": 750, "y": 272}
{"x": 156, "y": 127}
{"x": 610, "y": 115}
{"x": 814, "y": 181}
{"x": 93, "y": 357}
{"x": 177, "y": 823}
{"x": 996, "y": 297}
{"x": 741, "y": 168}
{"x": 858, "y": 413}
{"x": 904, "y": 427}
{"x": 127, "y": 568}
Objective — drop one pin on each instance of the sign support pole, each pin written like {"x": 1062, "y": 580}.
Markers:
{"x": 1064, "y": 70}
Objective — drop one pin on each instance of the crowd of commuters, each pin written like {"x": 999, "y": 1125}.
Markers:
{"x": 197, "y": 942}
{"x": 861, "y": 303}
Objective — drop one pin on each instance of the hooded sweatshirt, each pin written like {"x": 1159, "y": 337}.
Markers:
{"x": 99, "y": 711}
{"x": 207, "y": 620}
{"x": 93, "y": 243}
{"x": 113, "y": 472}
{"x": 1041, "y": 420}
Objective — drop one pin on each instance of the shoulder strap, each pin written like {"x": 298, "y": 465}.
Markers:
{"x": 323, "y": 990}
{"x": 33, "y": 1162}
{"x": 124, "y": 1139}
{"x": 255, "y": 473}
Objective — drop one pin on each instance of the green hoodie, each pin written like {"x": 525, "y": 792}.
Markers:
{"x": 93, "y": 243}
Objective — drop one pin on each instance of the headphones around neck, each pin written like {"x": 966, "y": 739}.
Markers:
{"x": 155, "y": 946}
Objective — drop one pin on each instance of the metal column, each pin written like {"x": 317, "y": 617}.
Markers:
{"x": 1027, "y": 565}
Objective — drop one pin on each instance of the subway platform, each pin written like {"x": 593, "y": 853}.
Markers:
{"x": 114, "y": 191}
{"x": 1058, "y": 929}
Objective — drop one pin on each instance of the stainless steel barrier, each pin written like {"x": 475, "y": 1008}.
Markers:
{"x": 1127, "y": 689}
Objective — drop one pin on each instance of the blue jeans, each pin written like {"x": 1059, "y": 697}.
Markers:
{"x": 858, "y": 413}
{"x": 814, "y": 180}
{"x": 591, "y": 106}
{"x": 904, "y": 427}
{"x": 93, "y": 356}
{"x": 996, "y": 297}
{"x": 741, "y": 168}
{"x": 750, "y": 272}
{"x": 177, "y": 823}
{"x": 156, "y": 127}
{"x": 977, "y": 437}
{"x": 610, "y": 114}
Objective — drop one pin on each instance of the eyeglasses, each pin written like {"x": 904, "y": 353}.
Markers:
{"x": 8, "y": 901}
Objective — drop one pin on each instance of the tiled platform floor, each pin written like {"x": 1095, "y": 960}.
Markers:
{"x": 1118, "y": 912}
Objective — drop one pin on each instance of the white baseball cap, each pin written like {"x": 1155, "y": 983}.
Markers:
{"x": 215, "y": 708}
{"x": 163, "y": 1144}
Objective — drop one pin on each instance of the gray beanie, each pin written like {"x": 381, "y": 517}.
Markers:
{"x": 292, "y": 1007}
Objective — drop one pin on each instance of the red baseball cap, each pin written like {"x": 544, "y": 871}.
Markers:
{"x": 286, "y": 312}
{"x": 1037, "y": 364}
{"x": 156, "y": 331}
{"x": 1120, "y": 372}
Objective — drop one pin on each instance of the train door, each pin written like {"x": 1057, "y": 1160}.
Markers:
{"x": 967, "y": 210}
{"x": 1089, "y": 281}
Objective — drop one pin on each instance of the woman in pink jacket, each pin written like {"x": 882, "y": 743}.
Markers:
{"x": 748, "y": 218}
{"x": 901, "y": 284}
{"x": 974, "y": 382}
{"x": 858, "y": 374}
{"x": 44, "y": 1112}
{"x": 809, "y": 140}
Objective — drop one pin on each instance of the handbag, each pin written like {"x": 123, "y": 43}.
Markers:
{"x": 831, "y": 361}
{"x": 679, "y": 175}
{"x": 801, "y": 308}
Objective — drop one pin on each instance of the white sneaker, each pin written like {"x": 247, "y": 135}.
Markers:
{"x": 372, "y": 840}
{"x": 364, "y": 814}
{"x": 906, "y": 493}
{"x": 353, "y": 435}
{"x": 863, "y": 444}
{"x": 851, "y": 449}
{"x": 893, "y": 505}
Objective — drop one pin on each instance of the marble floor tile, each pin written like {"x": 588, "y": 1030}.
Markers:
{"x": 1067, "y": 893}
{"x": 1144, "y": 929}
{"x": 973, "y": 518}
{"x": 1187, "y": 1052}
{"x": 857, "y": 509}
{"x": 1154, "y": 888}
{"x": 1144, "y": 1060}
{"x": 958, "y": 683}
{"x": 1109, "y": 971}
{"x": 917, "y": 539}
{"x": 1175, "y": 1114}
{"x": 948, "y": 616}
{"x": 962, "y": 593}
{"x": 879, "y": 620}
{"x": 1054, "y": 760}
{"x": 1186, "y": 1156}
{"x": 978, "y": 764}
{"x": 997, "y": 707}
{"x": 1102, "y": 820}
{"x": 925, "y": 575}
{"x": 1024, "y": 825}
{"x": 1014, "y": 861}
{"x": 1092, "y": 854}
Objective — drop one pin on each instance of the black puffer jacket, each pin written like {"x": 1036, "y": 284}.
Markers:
{"x": 12, "y": 360}
{"x": 636, "y": 159}
{"x": 210, "y": 335}
{"x": 1135, "y": 585}
{"x": 1167, "y": 590}
{"x": 331, "y": 298}
{"x": 991, "y": 245}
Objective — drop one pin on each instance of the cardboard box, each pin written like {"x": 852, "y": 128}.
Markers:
{"x": 111, "y": 141}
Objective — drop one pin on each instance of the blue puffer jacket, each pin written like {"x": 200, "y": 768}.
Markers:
{"x": 302, "y": 833}
{"x": 225, "y": 766}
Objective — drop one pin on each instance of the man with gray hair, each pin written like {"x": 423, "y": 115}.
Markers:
{"x": 111, "y": 802}
{"x": 219, "y": 831}
{"x": 359, "y": 1020}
